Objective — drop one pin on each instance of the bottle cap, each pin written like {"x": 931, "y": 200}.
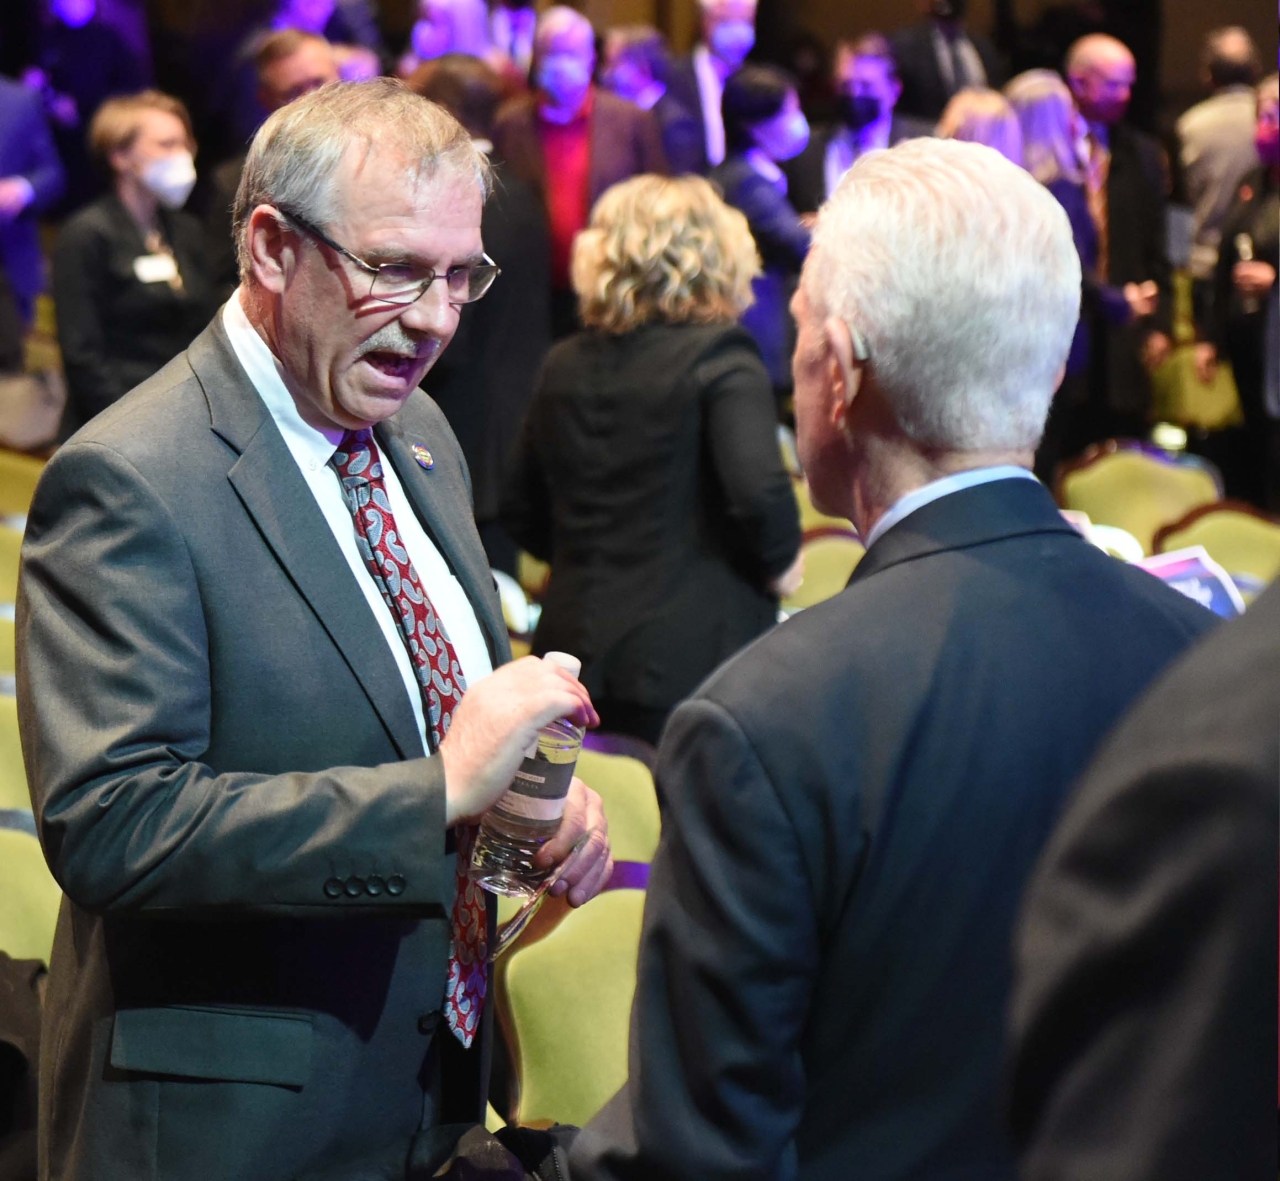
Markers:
{"x": 571, "y": 664}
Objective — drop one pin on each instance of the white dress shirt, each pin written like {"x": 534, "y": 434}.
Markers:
{"x": 846, "y": 146}
{"x": 936, "y": 490}
{"x": 710, "y": 92}
{"x": 311, "y": 450}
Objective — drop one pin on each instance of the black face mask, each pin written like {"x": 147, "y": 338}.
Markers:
{"x": 858, "y": 110}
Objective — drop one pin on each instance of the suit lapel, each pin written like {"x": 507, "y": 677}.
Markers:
{"x": 447, "y": 519}
{"x": 988, "y": 512}
{"x": 271, "y": 488}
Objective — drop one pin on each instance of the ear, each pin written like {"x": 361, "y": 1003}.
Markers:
{"x": 272, "y": 249}
{"x": 845, "y": 375}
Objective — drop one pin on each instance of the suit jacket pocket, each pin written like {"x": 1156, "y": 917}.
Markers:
{"x": 230, "y": 1045}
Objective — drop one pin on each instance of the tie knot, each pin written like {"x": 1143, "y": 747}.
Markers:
{"x": 357, "y": 456}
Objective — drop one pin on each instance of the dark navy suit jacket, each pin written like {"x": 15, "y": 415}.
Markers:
{"x": 851, "y": 808}
{"x": 27, "y": 150}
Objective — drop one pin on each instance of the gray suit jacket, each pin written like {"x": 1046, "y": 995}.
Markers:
{"x": 232, "y": 792}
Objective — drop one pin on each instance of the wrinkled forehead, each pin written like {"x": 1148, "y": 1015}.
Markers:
{"x": 376, "y": 182}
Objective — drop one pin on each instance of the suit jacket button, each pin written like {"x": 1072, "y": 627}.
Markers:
{"x": 395, "y": 885}
{"x": 427, "y": 1023}
{"x": 374, "y": 885}
{"x": 354, "y": 886}
{"x": 333, "y": 888}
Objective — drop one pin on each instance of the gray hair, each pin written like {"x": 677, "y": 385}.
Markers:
{"x": 295, "y": 156}
{"x": 960, "y": 274}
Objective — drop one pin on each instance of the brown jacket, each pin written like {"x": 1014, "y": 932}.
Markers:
{"x": 624, "y": 142}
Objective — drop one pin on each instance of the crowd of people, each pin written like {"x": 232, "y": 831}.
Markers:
{"x": 265, "y": 684}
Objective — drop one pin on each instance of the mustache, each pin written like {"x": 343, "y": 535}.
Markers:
{"x": 392, "y": 338}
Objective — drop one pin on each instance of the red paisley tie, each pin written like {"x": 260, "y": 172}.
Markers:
{"x": 359, "y": 466}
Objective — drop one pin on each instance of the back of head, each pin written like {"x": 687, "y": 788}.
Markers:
{"x": 752, "y": 95}
{"x": 978, "y": 115}
{"x": 1230, "y": 58}
{"x": 960, "y": 274}
{"x": 663, "y": 250}
{"x": 465, "y": 86}
{"x": 294, "y": 158}
{"x": 1047, "y": 115}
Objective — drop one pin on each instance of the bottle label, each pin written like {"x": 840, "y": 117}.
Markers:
{"x": 538, "y": 791}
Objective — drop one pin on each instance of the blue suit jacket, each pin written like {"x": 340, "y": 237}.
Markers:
{"x": 27, "y": 150}
{"x": 850, "y": 810}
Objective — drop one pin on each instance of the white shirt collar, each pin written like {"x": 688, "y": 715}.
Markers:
{"x": 936, "y": 490}
{"x": 710, "y": 91}
{"x": 264, "y": 370}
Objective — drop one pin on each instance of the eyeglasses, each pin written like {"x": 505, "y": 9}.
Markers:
{"x": 401, "y": 284}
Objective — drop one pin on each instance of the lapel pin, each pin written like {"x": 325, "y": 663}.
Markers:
{"x": 423, "y": 456}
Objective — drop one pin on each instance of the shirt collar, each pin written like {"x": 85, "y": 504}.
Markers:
{"x": 307, "y": 444}
{"x": 917, "y": 498}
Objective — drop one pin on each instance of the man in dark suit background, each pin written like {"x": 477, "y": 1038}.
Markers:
{"x": 939, "y": 56}
{"x": 31, "y": 181}
{"x": 867, "y": 91}
{"x": 1144, "y": 1011}
{"x": 689, "y": 112}
{"x": 289, "y": 64}
{"x": 1126, "y": 181}
{"x": 852, "y": 805}
{"x": 255, "y": 763}
{"x": 570, "y": 140}
{"x": 484, "y": 381}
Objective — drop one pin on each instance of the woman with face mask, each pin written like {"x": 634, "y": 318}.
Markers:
{"x": 1241, "y": 324}
{"x": 131, "y": 284}
{"x": 763, "y": 127}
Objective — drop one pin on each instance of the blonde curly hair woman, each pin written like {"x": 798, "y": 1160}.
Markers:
{"x": 648, "y": 471}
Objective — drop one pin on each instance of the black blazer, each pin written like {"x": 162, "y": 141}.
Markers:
{"x": 1136, "y": 217}
{"x": 807, "y": 173}
{"x": 114, "y": 330}
{"x": 648, "y": 474}
{"x": 850, "y": 810}
{"x": 1144, "y": 1013}
{"x": 484, "y": 379}
{"x": 783, "y": 243}
{"x": 680, "y": 120}
{"x": 924, "y": 92}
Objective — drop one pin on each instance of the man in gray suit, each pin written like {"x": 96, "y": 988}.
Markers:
{"x": 250, "y": 775}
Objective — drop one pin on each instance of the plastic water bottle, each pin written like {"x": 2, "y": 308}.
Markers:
{"x": 528, "y": 816}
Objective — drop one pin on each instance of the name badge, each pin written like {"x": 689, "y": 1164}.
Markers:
{"x": 155, "y": 268}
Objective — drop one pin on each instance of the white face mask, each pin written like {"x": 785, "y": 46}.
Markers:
{"x": 170, "y": 179}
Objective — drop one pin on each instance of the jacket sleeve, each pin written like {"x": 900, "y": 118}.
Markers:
{"x": 1157, "y": 244}
{"x": 115, "y": 712}
{"x": 729, "y": 948}
{"x": 775, "y": 226}
{"x": 41, "y": 166}
{"x": 741, "y": 433}
{"x": 79, "y": 266}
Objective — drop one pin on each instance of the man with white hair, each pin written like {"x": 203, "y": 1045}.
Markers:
{"x": 260, "y": 693}
{"x": 851, "y": 806}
